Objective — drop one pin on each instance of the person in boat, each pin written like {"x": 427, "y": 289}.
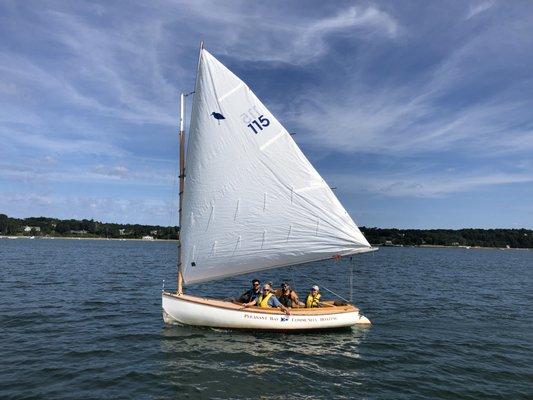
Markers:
{"x": 267, "y": 300}
{"x": 252, "y": 294}
{"x": 313, "y": 298}
{"x": 288, "y": 297}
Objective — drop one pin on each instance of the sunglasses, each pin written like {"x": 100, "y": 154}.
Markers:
{"x": 256, "y": 284}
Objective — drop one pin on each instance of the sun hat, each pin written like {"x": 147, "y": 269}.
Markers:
{"x": 315, "y": 287}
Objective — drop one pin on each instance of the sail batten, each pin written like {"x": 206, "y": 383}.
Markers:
{"x": 252, "y": 199}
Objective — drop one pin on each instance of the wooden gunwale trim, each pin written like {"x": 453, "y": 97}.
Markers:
{"x": 234, "y": 307}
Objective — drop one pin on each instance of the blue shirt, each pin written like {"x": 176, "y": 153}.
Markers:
{"x": 250, "y": 295}
{"x": 274, "y": 302}
{"x": 254, "y": 295}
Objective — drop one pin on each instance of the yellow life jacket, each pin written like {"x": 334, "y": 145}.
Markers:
{"x": 312, "y": 301}
{"x": 263, "y": 301}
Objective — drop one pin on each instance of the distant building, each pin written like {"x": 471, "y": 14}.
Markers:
{"x": 147, "y": 237}
{"x": 122, "y": 232}
{"x": 31, "y": 228}
{"x": 153, "y": 233}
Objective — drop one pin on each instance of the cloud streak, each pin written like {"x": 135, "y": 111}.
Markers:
{"x": 402, "y": 119}
{"x": 279, "y": 37}
{"x": 426, "y": 185}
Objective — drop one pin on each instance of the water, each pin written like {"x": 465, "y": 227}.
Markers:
{"x": 81, "y": 319}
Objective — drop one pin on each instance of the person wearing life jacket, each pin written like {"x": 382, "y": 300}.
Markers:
{"x": 288, "y": 297}
{"x": 313, "y": 298}
{"x": 267, "y": 300}
{"x": 252, "y": 294}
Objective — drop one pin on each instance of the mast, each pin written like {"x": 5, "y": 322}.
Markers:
{"x": 182, "y": 183}
{"x": 182, "y": 174}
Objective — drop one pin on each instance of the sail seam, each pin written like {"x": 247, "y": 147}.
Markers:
{"x": 272, "y": 140}
{"x": 308, "y": 188}
{"x": 241, "y": 85}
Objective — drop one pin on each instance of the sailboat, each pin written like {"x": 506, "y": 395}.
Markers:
{"x": 250, "y": 201}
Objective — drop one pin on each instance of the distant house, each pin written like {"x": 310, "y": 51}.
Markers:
{"x": 122, "y": 232}
{"x": 147, "y": 237}
{"x": 31, "y": 228}
{"x": 153, "y": 233}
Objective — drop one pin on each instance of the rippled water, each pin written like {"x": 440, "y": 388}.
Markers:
{"x": 82, "y": 319}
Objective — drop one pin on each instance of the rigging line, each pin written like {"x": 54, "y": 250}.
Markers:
{"x": 335, "y": 294}
{"x": 293, "y": 282}
{"x": 329, "y": 290}
{"x": 351, "y": 279}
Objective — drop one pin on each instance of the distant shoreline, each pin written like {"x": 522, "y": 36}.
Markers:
{"x": 84, "y": 238}
{"x": 96, "y": 230}
{"x": 175, "y": 240}
{"x": 467, "y": 247}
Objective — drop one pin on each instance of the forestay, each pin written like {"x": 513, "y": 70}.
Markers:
{"x": 252, "y": 200}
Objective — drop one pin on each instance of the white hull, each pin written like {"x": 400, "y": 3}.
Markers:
{"x": 197, "y": 311}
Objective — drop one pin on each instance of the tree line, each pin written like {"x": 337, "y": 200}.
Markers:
{"x": 516, "y": 238}
{"x": 42, "y": 226}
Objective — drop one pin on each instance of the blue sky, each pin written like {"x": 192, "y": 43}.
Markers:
{"x": 420, "y": 113}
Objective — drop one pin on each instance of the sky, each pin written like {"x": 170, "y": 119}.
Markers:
{"x": 419, "y": 113}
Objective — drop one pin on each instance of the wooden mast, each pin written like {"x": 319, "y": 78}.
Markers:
{"x": 182, "y": 183}
{"x": 182, "y": 175}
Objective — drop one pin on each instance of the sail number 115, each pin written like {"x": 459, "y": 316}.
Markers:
{"x": 261, "y": 122}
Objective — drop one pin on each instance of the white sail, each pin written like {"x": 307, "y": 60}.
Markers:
{"x": 252, "y": 200}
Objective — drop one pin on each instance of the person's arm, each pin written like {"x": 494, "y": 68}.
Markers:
{"x": 295, "y": 299}
{"x": 250, "y": 304}
{"x": 274, "y": 302}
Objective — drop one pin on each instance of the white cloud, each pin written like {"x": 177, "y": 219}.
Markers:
{"x": 428, "y": 185}
{"x": 412, "y": 117}
{"x": 39, "y": 174}
{"x": 49, "y": 144}
{"x": 479, "y": 8}
{"x": 275, "y": 36}
{"x": 119, "y": 171}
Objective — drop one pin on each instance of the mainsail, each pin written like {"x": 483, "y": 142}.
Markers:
{"x": 252, "y": 200}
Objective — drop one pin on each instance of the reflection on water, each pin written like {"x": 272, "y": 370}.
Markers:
{"x": 343, "y": 342}
{"x": 264, "y": 360}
